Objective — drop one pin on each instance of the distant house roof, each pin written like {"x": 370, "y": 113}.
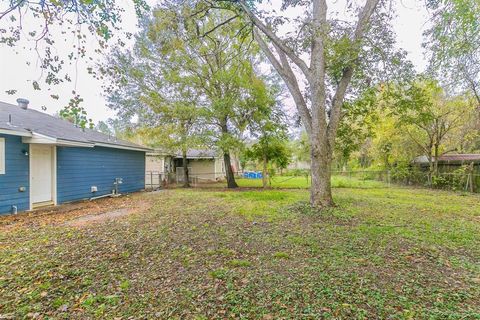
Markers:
{"x": 199, "y": 154}
{"x": 191, "y": 154}
{"x": 33, "y": 124}
{"x": 452, "y": 158}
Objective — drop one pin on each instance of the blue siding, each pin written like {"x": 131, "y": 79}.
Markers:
{"x": 16, "y": 176}
{"x": 78, "y": 169}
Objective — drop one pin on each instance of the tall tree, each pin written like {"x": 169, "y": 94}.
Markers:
{"x": 212, "y": 65}
{"x": 454, "y": 44}
{"x": 319, "y": 61}
{"x": 269, "y": 128}
{"x": 429, "y": 117}
{"x": 149, "y": 85}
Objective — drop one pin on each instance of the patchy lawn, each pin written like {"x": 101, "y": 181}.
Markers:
{"x": 213, "y": 254}
{"x": 302, "y": 182}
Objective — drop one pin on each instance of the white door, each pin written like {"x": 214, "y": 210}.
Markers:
{"x": 41, "y": 173}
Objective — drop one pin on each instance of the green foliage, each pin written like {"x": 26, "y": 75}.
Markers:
{"x": 455, "y": 180}
{"x": 36, "y": 26}
{"x": 239, "y": 263}
{"x": 453, "y": 41}
{"x": 269, "y": 127}
{"x": 76, "y": 114}
{"x": 301, "y": 148}
{"x": 188, "y": 90}
{"x": 419, "y": 118}
{"x": 357, "y": 124}
{"x": 281, "y": 255}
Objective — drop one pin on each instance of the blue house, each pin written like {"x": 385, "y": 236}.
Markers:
{"x": 46, "y": 161}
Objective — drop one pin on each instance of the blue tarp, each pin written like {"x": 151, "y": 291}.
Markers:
{"x": 252, "y": 175}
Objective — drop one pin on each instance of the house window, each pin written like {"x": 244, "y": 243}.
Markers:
{"x": 2, "y": 155}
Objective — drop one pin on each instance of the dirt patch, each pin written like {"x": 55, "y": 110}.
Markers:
{"x": 97, "y": 210}
{"x": 96, "y": 218}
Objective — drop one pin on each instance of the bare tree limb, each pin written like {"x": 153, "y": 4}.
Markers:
{"x": 276, "y": 40}
{"x": 284, "y": 70}
{"x": 220, "y": 25}
{"x": 317, "y": 58}
{"x": 339, "y": 96}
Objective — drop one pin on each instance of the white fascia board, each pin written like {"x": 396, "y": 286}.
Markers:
{"x": 15, "y": 133}
{"x": 39, "y": 139}
{"x": 116, "y": 146}
{"x": 196, "y": 158}
{"x": 67, "y": 143}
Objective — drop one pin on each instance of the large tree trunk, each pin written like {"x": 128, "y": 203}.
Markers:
{"x": 264, "y": 172}
{"x": 226, "y": 159}
{"x": 320, "y": 191}
{"x": 228, "y": 171}
{"x": 320, "y": 129}
{"x": 186, "y": 178}
{"x": 435, "y": 163}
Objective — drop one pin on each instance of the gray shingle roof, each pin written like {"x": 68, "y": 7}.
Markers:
{"x": 14, "y": 118}
{"x": 452, "y": 158}
{"x": 199, "y": 154}
{"x": 192, "y": 153}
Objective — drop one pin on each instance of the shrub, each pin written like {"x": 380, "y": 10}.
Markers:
{"x": 297, "y": 172}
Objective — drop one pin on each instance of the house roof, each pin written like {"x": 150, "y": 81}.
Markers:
{"x": 32, "y": 123}
{"x": 452, "y": 158}
{"x": 199, "y": 154}
{"x": 191, "y": 154}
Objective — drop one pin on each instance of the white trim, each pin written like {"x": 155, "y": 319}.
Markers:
{"x": 38, "y": 138}
{"x": 3, "y": 155}
{"x": 30, "y": 177}
{"x": 15, "y": 133}
{"x": 54, "y": 175}
{"x": 196, "y": 158}
{"x": 116, "y": 146}
{"x": 68, "y": 143}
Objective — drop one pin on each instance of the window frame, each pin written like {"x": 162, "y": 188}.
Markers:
{"x": 3, "y": 155}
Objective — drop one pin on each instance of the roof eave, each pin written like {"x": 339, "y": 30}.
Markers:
{"x": 15, "y": 133}
{"x": 117, "y": 146}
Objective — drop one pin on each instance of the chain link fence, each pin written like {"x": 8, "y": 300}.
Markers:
{"x": 455, "y": 181}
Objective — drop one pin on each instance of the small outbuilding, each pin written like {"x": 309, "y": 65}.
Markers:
{"x": 45, "y": 160}
{"x": 451, "y": 162}
{"x": 205, "y": 165}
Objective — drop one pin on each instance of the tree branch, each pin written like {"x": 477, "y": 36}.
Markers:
{"x": 276, "y": 40}
{"x": 284, "y": 70}
{"x": 347, "y": 75}
{"x": 220, "y": 25}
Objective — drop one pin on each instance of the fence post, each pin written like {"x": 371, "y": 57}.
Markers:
{"x": 471, "y": 181}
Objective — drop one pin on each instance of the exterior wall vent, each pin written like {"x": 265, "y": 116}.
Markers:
{"x": 23, "y": 103}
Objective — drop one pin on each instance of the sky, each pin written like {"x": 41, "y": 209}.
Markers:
{"x": 15, "y": 74}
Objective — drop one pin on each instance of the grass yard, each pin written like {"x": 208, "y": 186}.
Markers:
{"x": 391, "y": 253}
{"x": 282, "y": 182}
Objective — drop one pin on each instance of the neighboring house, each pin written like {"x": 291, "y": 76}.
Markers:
{"x": 45, "y": 160}
{"x": 203, "y": 164}
{"x": 451, "y": 162}
{"x": 296, "y": 164}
